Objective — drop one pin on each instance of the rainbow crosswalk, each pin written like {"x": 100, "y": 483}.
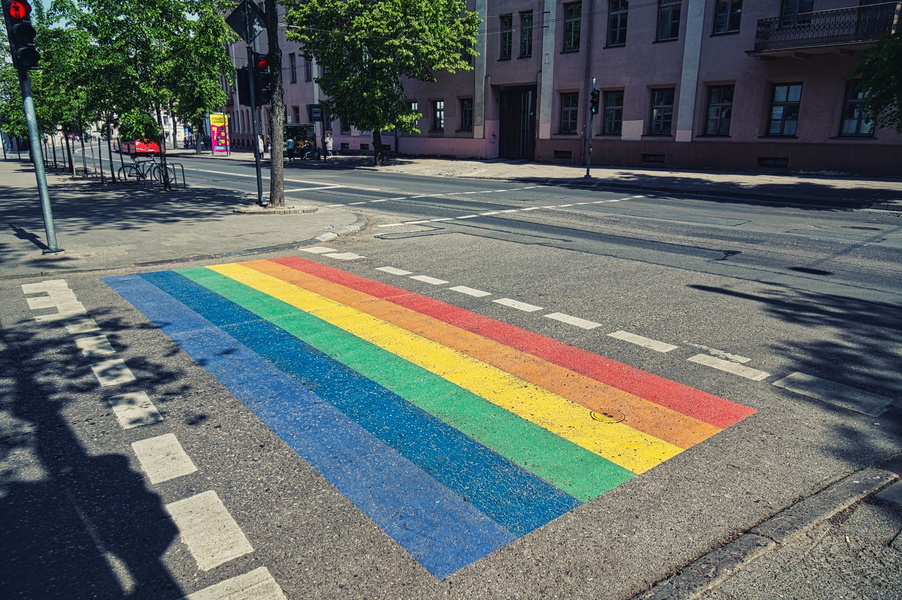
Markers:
{"x": 453, "y": 432}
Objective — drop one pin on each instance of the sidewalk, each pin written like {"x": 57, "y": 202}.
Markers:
{"x": 115, "y": 226}
{"x": 821, "y": 189}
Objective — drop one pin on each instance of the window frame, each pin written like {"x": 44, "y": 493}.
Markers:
{"x": 438, "y": 115}
{"x": 466, "y": 114}
{"x": 786, "y": 106}
{"x": 669, "y": 17}
{"x": 618, "y": 17}
{"x": 727, "y": 17}
{"x": 308, "y": 68}
{"x": 660, "y": 112}
{"x": 612, "y": 113}
{"x": 292, "y": 67}
{"x": 572, "y": 26}
{"x": 862, "y": 115}
{"x": 506, "y": 39}
{"x": 569, "y": 113}
{"x": 719, "y": 104}
{"x": 526, "y": 33}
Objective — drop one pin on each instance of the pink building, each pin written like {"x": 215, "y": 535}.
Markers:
{"x": 685, "y": 84}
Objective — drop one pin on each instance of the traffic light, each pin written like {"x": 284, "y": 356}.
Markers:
{"x": 593, "y": 101}
{"x": 21, "y": 34}
{"x": 262, "y": 79}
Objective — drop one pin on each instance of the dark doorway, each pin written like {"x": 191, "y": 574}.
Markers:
{"x": 518, "y": 122}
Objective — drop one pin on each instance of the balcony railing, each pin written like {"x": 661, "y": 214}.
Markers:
{"x": 857, "y": 25}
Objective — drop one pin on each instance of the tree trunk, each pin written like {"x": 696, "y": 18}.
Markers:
{"x": 69, "y": 153}
{"x": 277, "y": 115}
{"x": 378, "y": 153}
{"x": 100, "y": 158}
{"x": 164, "y": 174}
{"x": 109, "y": 146}
{"x": 197, "y": 135}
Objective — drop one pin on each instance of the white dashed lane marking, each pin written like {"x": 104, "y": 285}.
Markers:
{"x": 729, "y": 367}
{"x": 134, "y": 410}
{"x": 112, "y": 372}
{"x": 835, "y": 393}
{"x": 645, "y": 342}
{"x": 208, "y": 530}
{"x": 525, "y": 307}
{"x": 163, "y": 458}
{"x": 570, "y": 320}
{"x": 256, "y": 585}
{"x": 429, "y": 280}
{"x": 394, "y": 271}
{"x": 97, "y": 345}
{"x": 470, "y": 291}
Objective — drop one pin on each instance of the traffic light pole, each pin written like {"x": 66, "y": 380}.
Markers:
{"x": 34, "y": 139}
{"x": 589, "y": 135}
{"x": 254, "y": 124}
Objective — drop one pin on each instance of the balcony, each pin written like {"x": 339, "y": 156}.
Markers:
{"x": 843, "y": 30}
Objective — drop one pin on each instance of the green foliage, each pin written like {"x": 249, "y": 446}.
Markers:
{"x": 367, "y": 49}
{"x": 881, "y": 75}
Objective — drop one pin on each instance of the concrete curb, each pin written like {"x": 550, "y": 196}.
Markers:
{"x": 717, "y": 566}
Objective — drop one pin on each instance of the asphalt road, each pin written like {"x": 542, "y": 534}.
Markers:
{"x": 789, "y": 311}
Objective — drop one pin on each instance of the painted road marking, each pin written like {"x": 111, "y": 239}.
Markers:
{"x": 835, "y": 393}
{"x": 394, "y": 271}
{"x": 52, "y": 299}
{"x": 729, "y": 367}
{"x": 429, "y": 280}
{"x": 81, "y": 324}
{"x": 524, "y": 306}
{"x": 163, "y": 458}
{"x": 134, "y": 410}
{"x": 344, "y": 256}
{"x": 570, "y": 320}
{"x": 44, "y": 286}
{"x": 208, "y": 530}
{"x": 645, "y": 342}
{"x": 97, "y": 345}
{"x": 112, "y": 372}
{"x": 720, "y": 353}
{"x": 445, "y": 387}
{"x": 470, "y": 291}
{"x": 255, "y": 585}
{"x": 317, "y": 250}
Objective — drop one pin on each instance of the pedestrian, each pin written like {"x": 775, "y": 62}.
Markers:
{"x": 289, "y": 149}
{"x": 261, "y": 147}
{"x": 328, "y": 144}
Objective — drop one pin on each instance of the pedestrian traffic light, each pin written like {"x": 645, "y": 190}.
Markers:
{"x": 17, "y": 14}
{"x": 593, "y": 101}
{"x": 263, "y": 79}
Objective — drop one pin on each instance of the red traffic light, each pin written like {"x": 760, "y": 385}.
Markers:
{"x": 18, "y": 9}
{"x": 262, "y": 63}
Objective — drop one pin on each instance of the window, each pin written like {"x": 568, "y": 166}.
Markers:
{"x": 612, "y": 118}
{"x": 668, "y": 19}
{"x": 344, "y": 127}
{"x": 525, "y": 34}
{"x": 308, "y": 68}
{"x": 569, "y": 112}
{"x": 856, "y": 118}
{"x": 661, "y": 111}
{"x": 784, "y": 110}
{"x": 789, "y": 13}
{"x": 297, "y": 114}
{"x": 507, "y": 37}
{"x": 720, "y": 109}
{"x": 727, "y": 14}
{"x": 617, "y": 10}
{"x": 572, "y": 20}
{"x": 466, "y": 114}
{"x": 438, "y": 115}
{"x": 293, "y": 67}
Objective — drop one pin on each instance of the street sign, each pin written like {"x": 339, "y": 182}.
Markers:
{"x": 315, "y": 113}
{"x": 247, "y": 20}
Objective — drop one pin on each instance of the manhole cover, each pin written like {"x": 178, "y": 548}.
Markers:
{"x": 610, "y": 417}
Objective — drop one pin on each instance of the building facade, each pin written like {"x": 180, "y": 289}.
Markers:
{"x": 707, "y": 84}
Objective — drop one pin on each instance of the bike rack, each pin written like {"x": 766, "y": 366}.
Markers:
{"x": 182, "y": 168}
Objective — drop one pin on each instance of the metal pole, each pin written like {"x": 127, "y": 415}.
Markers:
{"x": 589, "y": 135}
{"x": 255, "y": 126}
{"x": 34, "y": 137}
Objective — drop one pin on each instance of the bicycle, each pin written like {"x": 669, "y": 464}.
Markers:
{"x": 139, "y": 171}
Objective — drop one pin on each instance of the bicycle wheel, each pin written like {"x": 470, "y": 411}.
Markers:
{"x": 128, "y": 174}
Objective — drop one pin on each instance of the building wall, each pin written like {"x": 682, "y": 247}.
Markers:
{"x": 690, "y": 65}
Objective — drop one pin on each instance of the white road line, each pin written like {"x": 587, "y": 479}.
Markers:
{"x": 81, "y": 324}
{"x": 428, "y": 279}
{"x": 720, "y": 353}
{"x": 582, "y": 323}
{"x": 358, "y": 203}
{"x": 163, "y": 458}
{"x": 52, "y": 299}
{"x": 134, "y": 409}
{"x": 95, "y": 345}
{"x": 835, "y": 393}
{"x": 729, "y": 367}
{"x": 517, "y": 304}
{"x": 491, "y": 212}
{"x": 393, "y": 225}
{"x": 317, "y": 250}
{"x": 393, "y": 271}
{"x": 645, "y": 342}
{"x": 470, "y": 291}
{"x": 112, "y": 372}
{"x": 468, "y": 217}
{"x": 532, "y": 208}
{"x": 206, "y": 527}
{"x": 256, "y": 585}
{"x": 418, "y": 222}
{"x": 441, "y": 219}
{"x": 64, "y": 311}
{"x": 44, "y": 286}
{"x": 344, "y": 256}
{"x": 563, "y": 206}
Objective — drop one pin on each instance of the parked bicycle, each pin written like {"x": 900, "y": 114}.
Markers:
{"x": 144, "y": 170}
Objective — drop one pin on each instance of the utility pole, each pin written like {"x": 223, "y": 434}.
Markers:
{"x": 593, "y": 109}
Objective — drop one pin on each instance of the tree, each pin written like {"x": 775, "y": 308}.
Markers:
{"x": 881, "y": 77}
{"x": 367, "y": 48}
{"x": 277, "y": 115}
